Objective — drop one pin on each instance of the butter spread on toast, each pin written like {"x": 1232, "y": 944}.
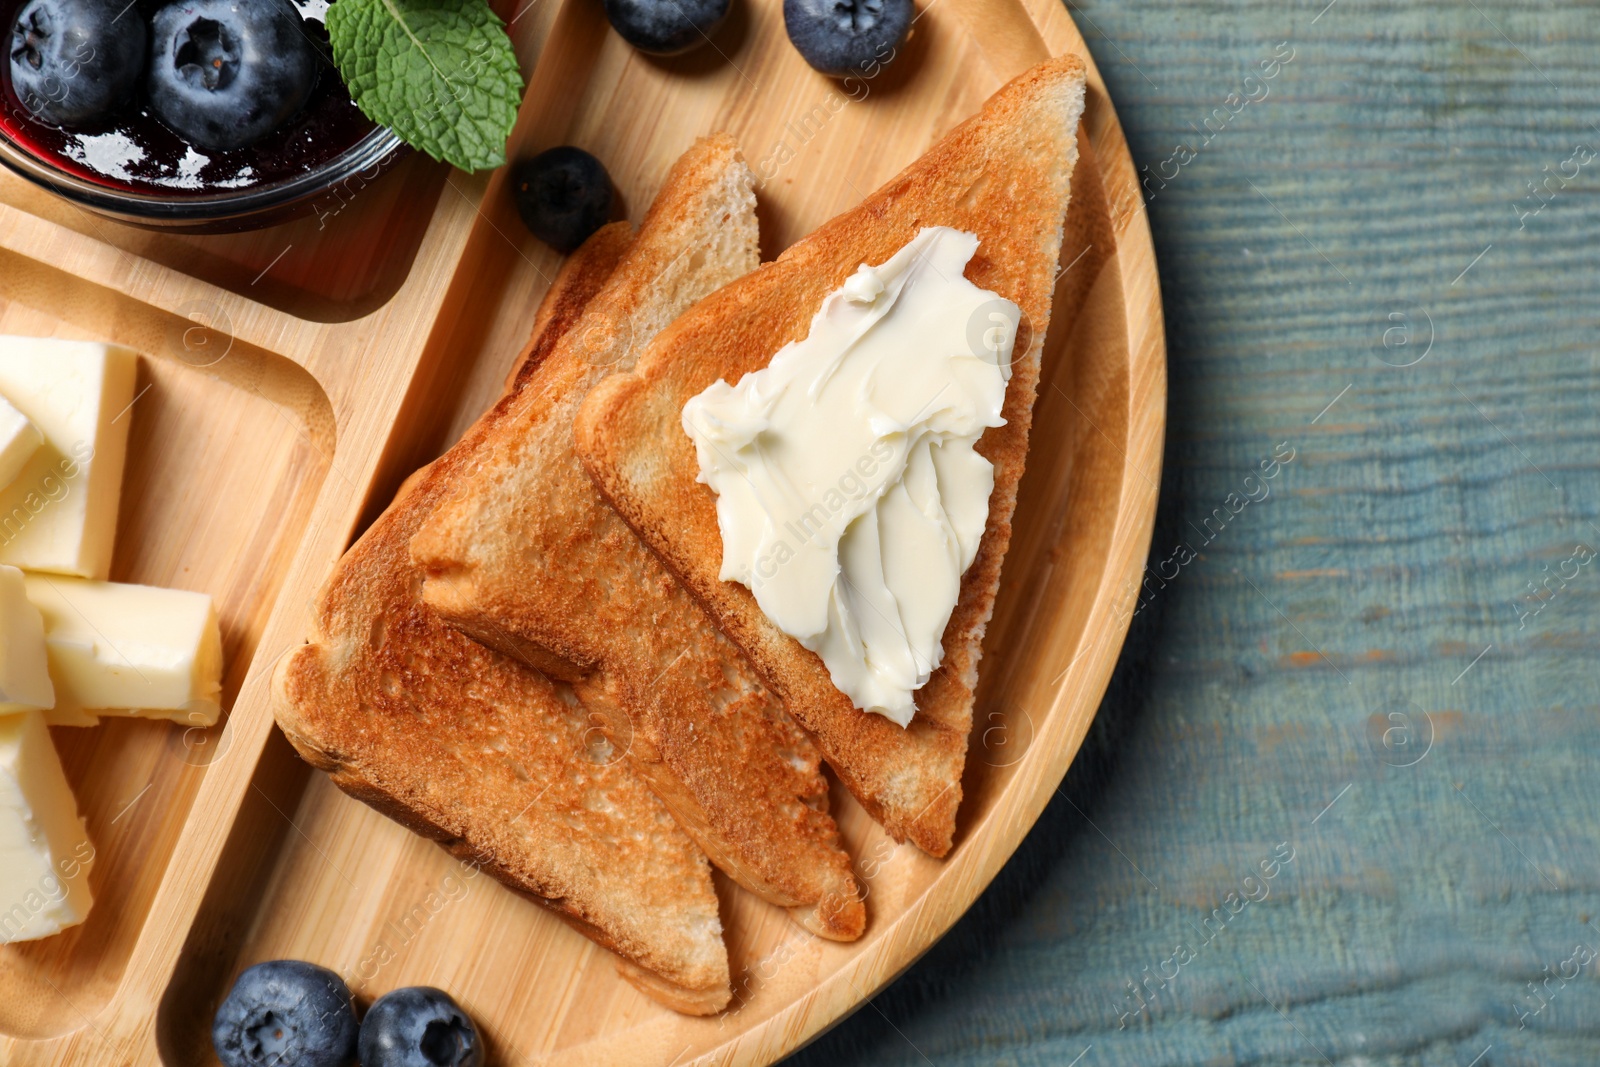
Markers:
{"x": 1005, "y": 174}
{"x": 849, "y": 495}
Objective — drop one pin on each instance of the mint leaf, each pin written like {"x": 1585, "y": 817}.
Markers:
{"x": 440, "y": 73}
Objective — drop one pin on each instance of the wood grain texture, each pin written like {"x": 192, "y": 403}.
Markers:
{"x": 286, "y": 407}
{"x": 1257, "y": 687}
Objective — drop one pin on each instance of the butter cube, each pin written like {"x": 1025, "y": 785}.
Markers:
{"x": 117, "y": 649}
{"x": 19, "y": 440}
{"x": 60, "y": 514}
{"x": 45, "y": 852}
{"x": 24, "y": 676}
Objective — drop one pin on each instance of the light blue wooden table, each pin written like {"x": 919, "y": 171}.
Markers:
{"x": 1388, "y": 262}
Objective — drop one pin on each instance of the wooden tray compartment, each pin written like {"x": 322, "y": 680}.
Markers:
{"x": 209, "y": 463}
{"x": 351, "y": 384}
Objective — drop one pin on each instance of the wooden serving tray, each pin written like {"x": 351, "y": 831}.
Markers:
{"x": 294, "y": 376}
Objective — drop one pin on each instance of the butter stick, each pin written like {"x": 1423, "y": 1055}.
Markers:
{"x": 24, "y": 679}
{"x": 45, "y": 852}
{"x": 59, "y": 513}
{"x": 118, "y": 649}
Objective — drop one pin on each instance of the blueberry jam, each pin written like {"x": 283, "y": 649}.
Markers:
{"x": 133, "y": 150}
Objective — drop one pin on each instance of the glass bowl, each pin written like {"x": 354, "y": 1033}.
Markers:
{"x": 222, "y": 211}
{"x": 130, "y": 166}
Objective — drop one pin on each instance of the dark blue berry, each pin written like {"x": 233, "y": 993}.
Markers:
{"x": 666, "y": 27}
{"x": 286, "y": 1012}
{"x": 419, "y": 1027}
{"x": 563, "y": 196}
{"x": 73, "y": 61}
{"x": 225, "y": 73}
{"x": 844, "y": 37}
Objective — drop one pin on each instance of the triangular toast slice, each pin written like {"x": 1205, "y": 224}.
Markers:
{"x": 1004, "y": 175}
{"x": 490, "y": 758}
{"x": 525, "y": 556}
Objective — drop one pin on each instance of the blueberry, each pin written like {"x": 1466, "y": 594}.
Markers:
{"x": 225, "y": 73}
{"x": 563, "y": 196}
{"x": 419, "y": 1027}
{"x": 286, "y": 1012}
{"x": 76, "y": 60}
{"x": 666, "y": 27}
{"x": 842, "y": 37}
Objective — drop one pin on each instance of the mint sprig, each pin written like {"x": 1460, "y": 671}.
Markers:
{"x": 440, "y": 73}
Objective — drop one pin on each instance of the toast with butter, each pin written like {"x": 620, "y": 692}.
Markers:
{"x": 1005, "y": 177}
{"x": 488, "y": 757}
{"x": 525, "y": 556}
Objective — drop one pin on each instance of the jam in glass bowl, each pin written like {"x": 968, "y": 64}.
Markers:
{"x": 132, "y": 166}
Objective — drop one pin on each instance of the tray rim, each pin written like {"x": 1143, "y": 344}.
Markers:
{"x": 360, "y": 424}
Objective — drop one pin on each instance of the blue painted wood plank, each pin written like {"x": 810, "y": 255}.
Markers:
{"x": 1386, "y": 664}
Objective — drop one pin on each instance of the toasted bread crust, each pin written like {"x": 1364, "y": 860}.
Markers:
{"x": 525, "y": 556}
{"x": 489, "y": 758}
{"x": 1004, "y": 175}
{"x": 579, "y": 281}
